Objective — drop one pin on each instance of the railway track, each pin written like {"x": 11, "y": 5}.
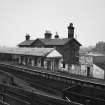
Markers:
{"x": 43, "y": 81}
{"x": 47, "y": 85}
{"x": 51, "y": 86}
{"x": 56, "y": 75}
{"x": 10, "y": 95}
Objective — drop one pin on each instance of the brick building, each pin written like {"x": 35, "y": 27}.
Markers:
{"x": 68, "y": 47}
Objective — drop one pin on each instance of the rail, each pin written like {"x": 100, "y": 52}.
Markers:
{"x": 57, "y": 75}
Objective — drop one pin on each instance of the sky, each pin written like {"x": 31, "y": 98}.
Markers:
{"x": 18, "y": 17}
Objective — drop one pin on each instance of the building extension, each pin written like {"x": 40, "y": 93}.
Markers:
{"x": 46, "y": 58}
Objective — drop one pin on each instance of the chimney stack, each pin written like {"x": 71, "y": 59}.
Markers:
{"x": 27, "y": 37}
{"x": 71, "y": 31}
{"x": 48, "y": 35}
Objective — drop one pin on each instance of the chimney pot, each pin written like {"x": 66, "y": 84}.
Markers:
{"x": 48, "y": 35}
{"x": 56, "y": 35}
{"x": 27, "y": 37}
{"x": 71, "y": 31}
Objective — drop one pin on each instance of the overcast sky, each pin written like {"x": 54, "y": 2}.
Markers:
{"x": 18, "y": 17}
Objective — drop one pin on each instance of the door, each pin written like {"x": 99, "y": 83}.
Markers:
{"x": 88, "y": 71}
{"x": 48, "y": 65}
{"x": 56, "y": 64}
{"x": 42, "y": 62}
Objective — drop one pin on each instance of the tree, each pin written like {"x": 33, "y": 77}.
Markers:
{"x": 100, "y": 47}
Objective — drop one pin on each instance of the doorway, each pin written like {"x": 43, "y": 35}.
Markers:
{"x": 48, "y": 65}
{"x": 88, "y": 71}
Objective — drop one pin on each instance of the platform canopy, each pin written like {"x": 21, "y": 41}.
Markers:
{"x": 45, "y": 52}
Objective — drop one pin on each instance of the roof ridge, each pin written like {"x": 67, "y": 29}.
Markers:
{"x": 55, "y": 41}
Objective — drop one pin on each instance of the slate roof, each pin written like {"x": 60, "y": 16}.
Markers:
{"x": 54, "y": 41}
{"x": 60, "y": 41}
{"x": 26, "y": 42}
{"x": 101, "y": 65}
{"x": 95, "y": 54}
{"x": 27, "y": 51}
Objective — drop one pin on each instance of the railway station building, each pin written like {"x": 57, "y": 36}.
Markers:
{"x": 68, "y": 47}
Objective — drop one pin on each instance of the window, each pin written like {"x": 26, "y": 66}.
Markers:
{"x": 35, "y": 61}
{"x": 63, "y": 64}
